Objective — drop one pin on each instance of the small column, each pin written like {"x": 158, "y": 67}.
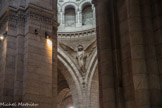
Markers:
{"x": 62, "y": 18}
{"x": 78, "y": 18}
{"x": 94, "y": 14}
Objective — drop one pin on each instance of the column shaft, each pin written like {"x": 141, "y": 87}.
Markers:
{"x": 106, "y": 75}
{"x": 139, "y": 69}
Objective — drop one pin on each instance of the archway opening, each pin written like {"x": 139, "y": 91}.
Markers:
{"x": 64, "y": 93}
{"x": 87, "y": 14}
{"x": 78, "y": 28}
{"x": 70, "y": 16}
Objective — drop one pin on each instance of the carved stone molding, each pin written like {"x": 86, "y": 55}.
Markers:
{"x": 3, "y": 21}
{"x": 39, "y": 17}
{"x": 23, "y": 16}
{"x": 77, "y": 34}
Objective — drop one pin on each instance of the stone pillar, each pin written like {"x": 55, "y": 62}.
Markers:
{"x": 39, "y": 84}
{"x": 3, "y": 47}
{"x": 9, "y": 54}
{"x": 54, "y": 56}
{"x": 54, "y": 66}
{"x": 151, "y": 58}
{"x": 94, "y": 14}
{"x": 157, "y": 29}
{"x": 8, "y": 88}
{"x": 78, "y": 18}
{"x": 106, "y": 75}
{"x": 78, "y": 24}
{"x": 62, "y": 17}
{"x": 19, "y": 68}
{"x": 19, "y": 65}
{"x": 26, "y": 68}
{"x": 139, "y": 70}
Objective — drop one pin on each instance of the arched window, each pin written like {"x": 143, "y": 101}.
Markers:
{"x": 87, "y": 14}
{"x": 70, "y": 16}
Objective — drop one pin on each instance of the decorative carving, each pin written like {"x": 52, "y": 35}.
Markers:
{"x": 77, "y": 34}
{"x": 3, "y": 21}
{"x": 80, "y": 55}
{"x": 20, "y": 17}
{"x": 39, "y": 17}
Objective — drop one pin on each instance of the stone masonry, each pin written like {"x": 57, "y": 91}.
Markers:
{"x": 28, "y": 66}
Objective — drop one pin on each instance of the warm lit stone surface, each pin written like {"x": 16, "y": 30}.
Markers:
{"x": 128, "y": 53}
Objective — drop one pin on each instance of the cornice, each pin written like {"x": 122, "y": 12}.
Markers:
{"x": 77, "y": 34}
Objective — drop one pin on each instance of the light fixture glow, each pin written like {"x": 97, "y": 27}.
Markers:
{"x": 49, "y": 42}
{"x": 49, "y": 49}
{"x": 71, "y": 107}
{"x": 1, "y": 37}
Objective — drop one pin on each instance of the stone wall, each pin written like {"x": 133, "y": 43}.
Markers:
{"x": 28, "y": 61}
{"x": 82, "y": 84}
{"x": 128, "y": 34}
{"x": 94, "y": 93}
{"x": 2, "y": 65}
{"x": 45, "y": 4}
{"x": 81, "y": 17}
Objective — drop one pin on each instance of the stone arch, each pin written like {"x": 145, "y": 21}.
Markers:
{"x": 87, "y": 13}
{"x": 63, "y": 95}
{"x": 59, "y": 7}
{"x": 69, "y": 4}
{"x": 68, "y": 60}
{"x": 92, "y": 82}
{"x": 83, "y": 3}
{"x": 73, "y": 82}
{"x": 92, "y": 62}
{"x": 70, "y": 16}
{"x": 94, "y": 89}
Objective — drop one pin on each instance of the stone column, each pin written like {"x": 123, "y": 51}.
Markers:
{"x": 94, "y": 14}
{"x": 19, "y": 65}
{"x": 78, "y": 23}
{"x": 151, "y": 58}
{"x": 19, "y": 68}
{"x": 54, "y": 56}
{"x": 139, "y": 70}
{"x": 9, "y": 54}
{"x": 54, "y": 65}
{"x": 157, "y": 29}
{"x": 8, "y": 86}
{"x": 78, "y": 18}
{"x": 62, "y": 18}
{"x": 157, "y": 22}
{"x": 3, "y": 47}
{"x": 39, "y": 83}
{"x": 106, "y": 75}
